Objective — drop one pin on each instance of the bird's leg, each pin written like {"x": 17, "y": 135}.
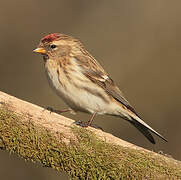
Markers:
{"x": 58, "y": 111}
{"x": 89, "y": 123}
{"x": 62, "y": 111}
{"x": 91, "y": 119}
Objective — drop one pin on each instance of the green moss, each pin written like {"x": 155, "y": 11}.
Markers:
{"x": 86, "y": 157}
{"x": 123, "y": 163}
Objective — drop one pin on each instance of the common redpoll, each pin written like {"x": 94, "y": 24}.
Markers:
{"x": 82, "y": 83}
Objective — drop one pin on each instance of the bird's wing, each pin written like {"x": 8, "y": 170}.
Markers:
{"x": 94, "y": 71}
{"x": 110, "y": 88}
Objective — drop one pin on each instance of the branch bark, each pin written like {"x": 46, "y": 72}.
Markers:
{"x": 84, "y": 153}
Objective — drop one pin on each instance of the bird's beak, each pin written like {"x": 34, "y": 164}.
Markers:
{"x": 40, "y": 50}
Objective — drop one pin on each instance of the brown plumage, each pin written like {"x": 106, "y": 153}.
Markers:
{"x": 83, "y": 84}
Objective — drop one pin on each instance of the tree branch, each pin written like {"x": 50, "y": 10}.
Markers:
{"x": 84, "y": 153}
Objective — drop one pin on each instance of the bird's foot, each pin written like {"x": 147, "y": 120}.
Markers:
{"x": 86, "y": 124}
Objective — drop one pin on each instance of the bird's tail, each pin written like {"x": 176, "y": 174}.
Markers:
{"x": 144, "y": 128}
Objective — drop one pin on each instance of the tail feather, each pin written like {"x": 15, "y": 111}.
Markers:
{"x": 145, "y": 129}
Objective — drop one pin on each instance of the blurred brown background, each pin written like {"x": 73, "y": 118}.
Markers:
{"x": 137, "y": 42}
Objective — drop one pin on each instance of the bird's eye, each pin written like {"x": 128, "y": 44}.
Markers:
{"x": 53, "y": 46}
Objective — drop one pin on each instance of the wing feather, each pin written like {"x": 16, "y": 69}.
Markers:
{"x": 94, "y": 71}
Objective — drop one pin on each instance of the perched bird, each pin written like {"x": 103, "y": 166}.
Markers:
{"x": 83, "y": 84}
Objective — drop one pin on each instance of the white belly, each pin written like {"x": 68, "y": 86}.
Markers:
{"x": 77, "y": 98}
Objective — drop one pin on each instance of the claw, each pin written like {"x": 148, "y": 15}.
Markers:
{"x": 85, "y": 125}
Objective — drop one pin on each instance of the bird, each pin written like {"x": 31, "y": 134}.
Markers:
{"x": 82, "y": 83}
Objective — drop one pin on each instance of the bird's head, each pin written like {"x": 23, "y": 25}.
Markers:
{"x": 57, "y": 45}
